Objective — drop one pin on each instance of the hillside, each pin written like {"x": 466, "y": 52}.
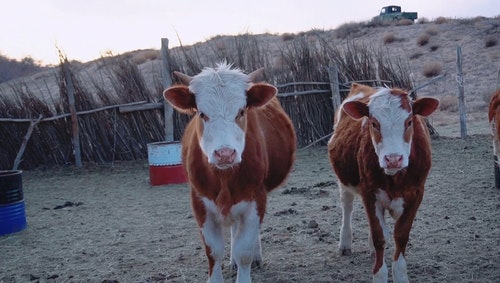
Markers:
{"x": 480, "y": 64}
{"x": 424, "y": 45}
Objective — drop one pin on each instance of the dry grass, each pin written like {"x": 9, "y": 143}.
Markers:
{"x": 348, "y": 29}
{"x": 404, "y": 22}
{"x": 490, "y": 41}
{"x": 287, "y": 36}
{"x": 389, "y": 37}
{"x": 423, "y": 39}
{"x": 432, "y": 69}
{"x": 432, "y": 30}
{"x": 416, "y": 55}
{"x": 448, "y": 103}
{"x": 440, "y": 20}
{"x": 433, "y": 48}
{"x": 423, "y": 20}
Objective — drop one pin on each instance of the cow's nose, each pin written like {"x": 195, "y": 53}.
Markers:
{"x": 225, "y": 156}
{"x": 394, "y": 160}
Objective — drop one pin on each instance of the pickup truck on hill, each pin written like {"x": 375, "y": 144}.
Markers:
{"x": 394, "y": 13}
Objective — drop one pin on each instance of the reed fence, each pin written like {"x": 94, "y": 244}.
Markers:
{"x": 115, "y": 113}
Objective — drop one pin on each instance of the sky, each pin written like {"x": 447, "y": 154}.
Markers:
{"x": 85, "y": 30}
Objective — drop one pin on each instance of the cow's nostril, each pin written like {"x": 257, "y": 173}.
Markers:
{"x": 394, "y": 160}
{"x": 225, "y": 155}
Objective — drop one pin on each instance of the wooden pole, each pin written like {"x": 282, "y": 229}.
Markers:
{"x": 26, "y": 138}
{"x": 333, "y": 75}
{"x": 167, "y": 82}
{"x": 70, "y": 91}
{"x": 461, "y": 100}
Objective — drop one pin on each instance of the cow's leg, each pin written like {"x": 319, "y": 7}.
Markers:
{"x": 402, "y": 229}
{"x": 346, "y": 199}
{"x": 257, "y": 251}
{"x": 385, "y": 230}
{"x": 212, "y": 236}
{"x": 245, "y": 239}
{"x": 214, "y": 248}
{"x": 375, "y": 214}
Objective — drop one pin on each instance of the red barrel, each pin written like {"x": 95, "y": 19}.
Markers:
{"x": 165, "y": 163}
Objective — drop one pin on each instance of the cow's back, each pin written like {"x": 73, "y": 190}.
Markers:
{"x": 345, "y": 141}
{"x": 494, "y": 113}
{"x": 342, "y": 149}
{"x": 280, "y": 142}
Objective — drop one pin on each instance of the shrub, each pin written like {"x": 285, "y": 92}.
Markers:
{"x": 490, "y": 42}
{"x": 389, "y": 38}
{"x": 432, "y": 30}
{"x": 416, "y": 55}
{"x": 423, "y": 39}
{"x": 287, "y": 36}
{"x": 423, "y": 20}
{"x": 404, "y": 22}
{"x": 377, "y": 22}
{"x": 142, "y": 56}
{"x": 432, "y": 69}
{"x": 347, "y": 29}
{"x": 448, "y": 103}
{"x": 434, "y": 48}
{"x": 440, "y": 20}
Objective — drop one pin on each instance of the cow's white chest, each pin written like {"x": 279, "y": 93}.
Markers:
{"x": 236, "y": 213}
{"x": 394, "y": 206}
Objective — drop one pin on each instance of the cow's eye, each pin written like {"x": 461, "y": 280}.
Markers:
{"x": 203, "y": 116}
{"x": 240, "y": 114}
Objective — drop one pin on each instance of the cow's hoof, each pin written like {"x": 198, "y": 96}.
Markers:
{"x": 257, "y": 264}
{"x": 345, "y": 252}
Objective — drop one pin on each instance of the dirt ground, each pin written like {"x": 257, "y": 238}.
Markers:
{"x": 107, "y": 224}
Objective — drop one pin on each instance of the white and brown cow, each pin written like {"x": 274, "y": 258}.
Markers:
{"x": 494, "y": 119}
{"x": 381, "y": 150}
{"x": 238, "y": 146}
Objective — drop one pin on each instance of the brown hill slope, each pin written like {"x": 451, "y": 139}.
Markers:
{"x": 424, "y": 45}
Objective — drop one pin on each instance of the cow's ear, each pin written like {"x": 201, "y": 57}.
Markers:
{"x": 185, "y": 79}
{"x": 257, "y": 75}
{"x": 260, "y": 94}
{"x": 356, "y": 109}
{"x": 181, "y": 99}
{"x": 425, "y": 106}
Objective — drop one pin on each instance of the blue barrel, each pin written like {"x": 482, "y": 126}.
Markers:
{"x": 12, "y": 210}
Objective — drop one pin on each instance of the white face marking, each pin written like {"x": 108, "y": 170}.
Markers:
{"x": 386, "y": 109}
{"x": 221, "y": 96}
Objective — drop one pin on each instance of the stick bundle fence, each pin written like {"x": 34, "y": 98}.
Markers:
{"x": 118, "y": 113}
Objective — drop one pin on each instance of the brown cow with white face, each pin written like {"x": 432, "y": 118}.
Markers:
{"x": 494, "y": 119}
{"x": 380, "y": 150}
{"x": 239, "y": 145}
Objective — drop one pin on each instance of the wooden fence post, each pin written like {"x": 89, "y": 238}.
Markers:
{"x": 167, "y": 82}
{"x": 26, "y": 138}
{"x": 461, "y": 100}
{"x": 70, "y": 92}
{"x": 333, "y": 75}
